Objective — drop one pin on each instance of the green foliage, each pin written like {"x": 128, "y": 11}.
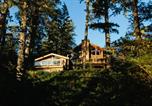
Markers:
{"x": 145, "y": 11}
{"x": 60, "y": 34}
{"x": 118, "y": 86}
{"x": 131, "y": 47}
{"x": 103, "y": 26}
{"x": 124, "y": 84}
{"x": 40, "y": 13}
{"x": 100, "y": 18}
{"x": 100, "y": 10}
{"x": 138, "y": 52}
{"x": 144, "y": 62}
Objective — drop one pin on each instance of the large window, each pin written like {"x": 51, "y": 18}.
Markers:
{"x": 37, "y": 64}
{"x": 48, "y": 63}
{"x": 56, "y": 62}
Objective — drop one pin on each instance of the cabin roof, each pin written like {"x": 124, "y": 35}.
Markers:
{"x": 91, "y": 45}
{"x": 50, "y": 54}
{"x": 96, "y": 47}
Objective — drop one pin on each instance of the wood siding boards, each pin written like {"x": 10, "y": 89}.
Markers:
{"x": 51, "y": 62}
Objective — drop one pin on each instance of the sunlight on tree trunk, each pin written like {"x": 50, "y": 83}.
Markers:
{"x": 107, "y": 32}
{"x": 20, "y": 61}
{"x": 136, "y": 20}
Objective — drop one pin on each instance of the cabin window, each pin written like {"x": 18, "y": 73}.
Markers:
{"x": 98, "y": 52}
{"x": 37, "y": 63}
{"x": 93, "y": 52}
{"x": 44, "y": 63}
{"x": 50, "y": 63}
{"x": 56, "y": 62}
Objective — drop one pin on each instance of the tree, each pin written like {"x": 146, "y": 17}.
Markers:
{"x": 32, "y": 23}
{"x": 38, "y": 14}
{"x": 87, "y": 20}
{"x": 66, "y": 32}
{"x": 145, "y": 11}
{"x": 21, "y": 51}
{"x": 85, "y": 49}
{"x": 145, "y": 15}
{"x": 132, "y": 6}
{"x": 8, "y": 39}
{"x": 101, "y": 10}
{"x": 136, "y": 20}
{"x": 140, "y": 12}
{"x": 60, "y": 32}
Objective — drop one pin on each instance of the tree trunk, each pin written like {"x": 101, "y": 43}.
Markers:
{"x": 87, "y": 19}
{"x": 21, "y": 51}
{"x": 136, "y": 20}
{"x": 31, "y": 37}
{"x": 107, "y": 32}
{"x": 85, "y": 48}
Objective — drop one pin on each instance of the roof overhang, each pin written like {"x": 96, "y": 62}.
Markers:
{"x": 51, "y": 54}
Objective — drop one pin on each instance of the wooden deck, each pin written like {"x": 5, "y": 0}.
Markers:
{"x": 92, "y": 64}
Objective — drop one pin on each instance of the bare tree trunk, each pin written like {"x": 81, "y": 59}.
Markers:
{"x": 136, "y": 20}
{"x": 21, "y": 51}
{"x": 86, "y": 35}
{"x": 107, "y": 33}
{"x": 137, "y": 32}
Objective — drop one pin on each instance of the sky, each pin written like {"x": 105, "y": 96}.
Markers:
{"x": 77, "y": 14}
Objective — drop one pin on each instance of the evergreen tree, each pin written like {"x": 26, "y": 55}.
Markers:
{"x": 38, "y": 13}
{"x": 145, "y": 15}
{"x": 60, "y": 32}
{"x": 132, "y": 6}
{"x": 66, "y": 32}
{"x": 21, "y": 51}
{"x": 101, "y": 9}
{"x": 85, "y": 49}
{"x": 139, "y": 14}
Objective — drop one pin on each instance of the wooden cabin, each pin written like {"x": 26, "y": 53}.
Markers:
{"x": 92, "y": 54}
{"x": 51, "y": 62}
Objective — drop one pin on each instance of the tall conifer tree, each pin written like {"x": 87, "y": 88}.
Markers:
{"x": 21, "y": 51}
